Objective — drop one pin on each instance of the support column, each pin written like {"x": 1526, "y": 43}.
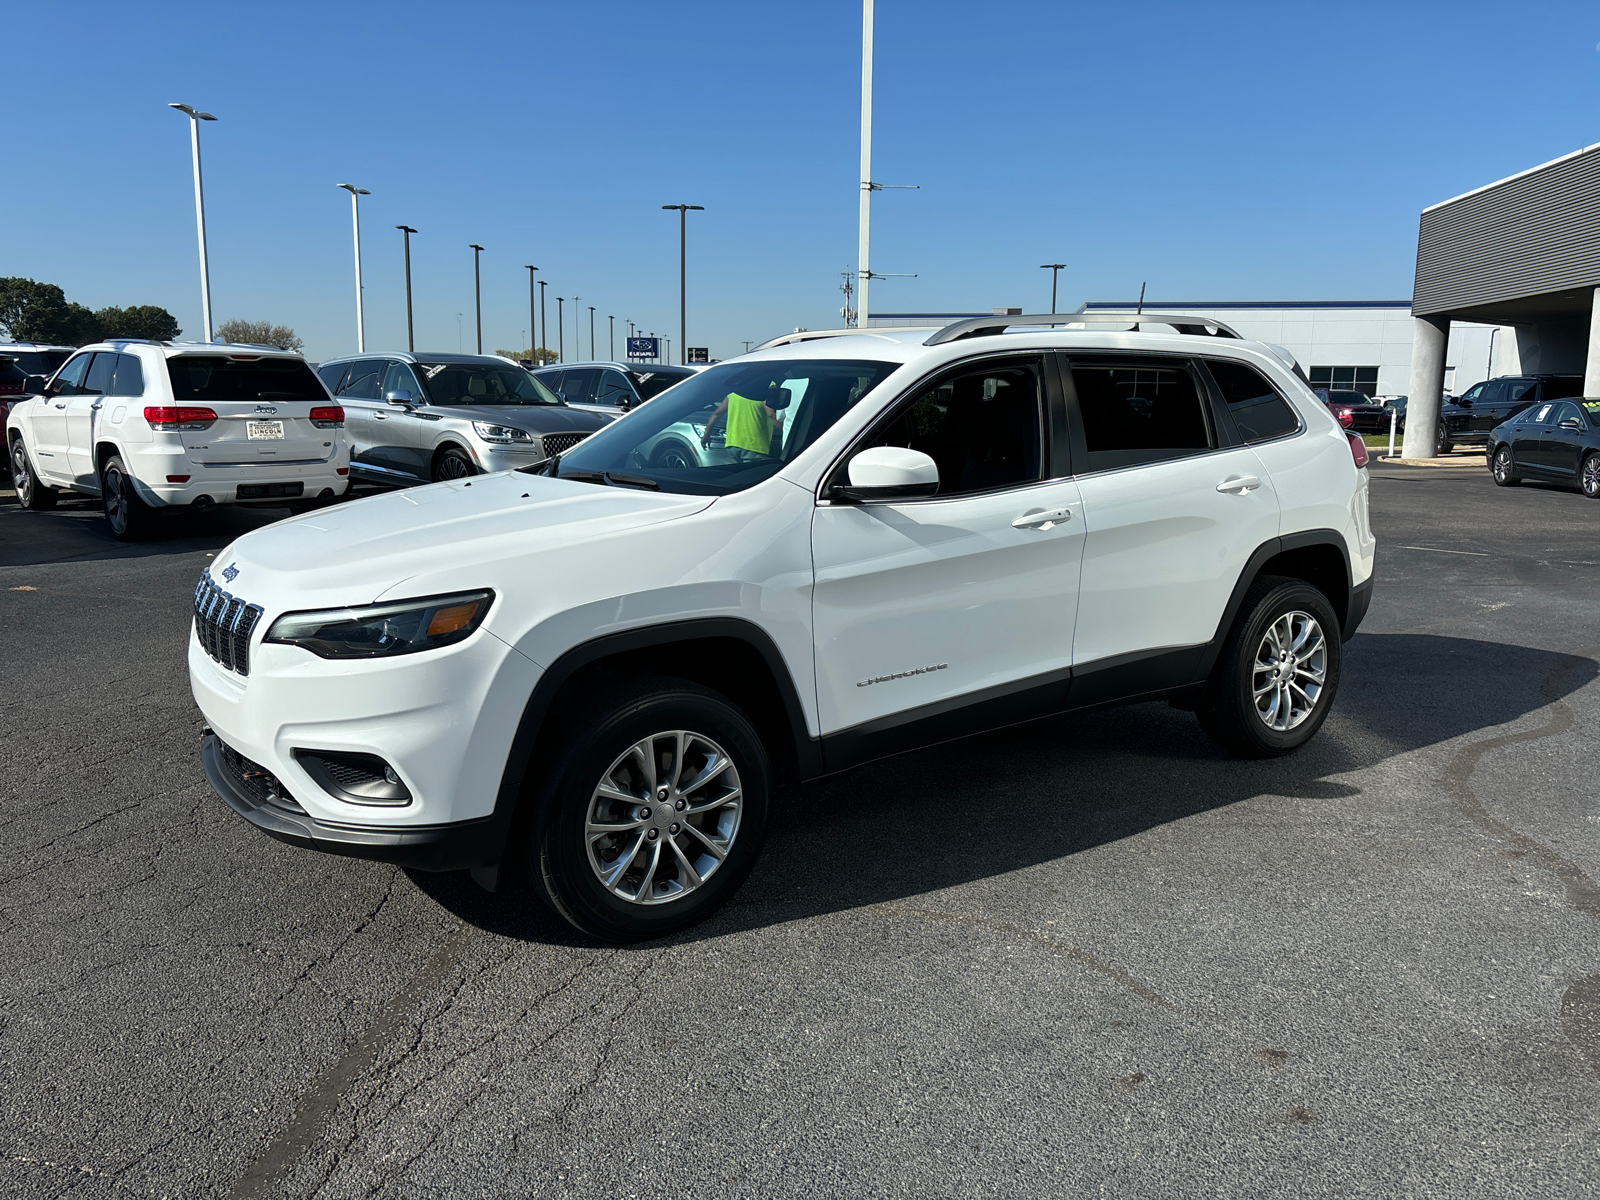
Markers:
{"x": 1591, "y": 369}
{"x": 1429, "y": 339}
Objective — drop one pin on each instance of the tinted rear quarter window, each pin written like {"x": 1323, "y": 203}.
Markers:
{"x": 1259, "y": 412}
{"x": 215, "y": 379}
{"x": 130, "y": 376}
{"x": 1134, "y": 414}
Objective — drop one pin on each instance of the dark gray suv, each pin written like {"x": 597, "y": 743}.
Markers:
{"x": 424, "y": 417}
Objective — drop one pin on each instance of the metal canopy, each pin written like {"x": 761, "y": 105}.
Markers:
{"x": 984, "y": 326}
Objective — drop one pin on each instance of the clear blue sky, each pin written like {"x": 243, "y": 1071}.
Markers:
{"x": 1218, "y": 150}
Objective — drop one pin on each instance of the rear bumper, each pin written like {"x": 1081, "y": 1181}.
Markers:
{"x": 451, "y": 847}
{"x": 1356, "y": 609}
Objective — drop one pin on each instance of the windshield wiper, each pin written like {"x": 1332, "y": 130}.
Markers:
{"x": 639, "y": 481}
{"x": 586, "y": 476}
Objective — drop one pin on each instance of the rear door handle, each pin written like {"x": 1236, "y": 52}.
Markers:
{"x": 1238, "y": 485}
{"x": 1042, "y": 518}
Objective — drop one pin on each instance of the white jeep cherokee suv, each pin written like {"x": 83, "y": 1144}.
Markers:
{"x": 594, "y": 674}
{"x": 153, "y": 425}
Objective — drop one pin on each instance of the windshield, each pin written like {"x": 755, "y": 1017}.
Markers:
{"x": 39, "y": 362}
{"x": 215, "y": 379}
{"x": 481, "y": 383}
{"x": 725, "y": 429}
{"x": 652, "y": 383}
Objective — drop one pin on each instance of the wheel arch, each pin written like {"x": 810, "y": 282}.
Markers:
{"x": 449, "y": 442}
{"x": 729, "y": 655}
{"x": 1317, "y": 556}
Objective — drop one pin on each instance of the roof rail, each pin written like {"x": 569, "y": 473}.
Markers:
{"x": 984, "y": 326}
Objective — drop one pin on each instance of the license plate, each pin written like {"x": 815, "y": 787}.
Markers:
{"x": 265, "y": 431}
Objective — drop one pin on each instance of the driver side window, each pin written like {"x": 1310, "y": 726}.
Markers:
{"x": 398, "y": 378}
{"x": 70, "y": 379}
{"x": 982, "y": 426}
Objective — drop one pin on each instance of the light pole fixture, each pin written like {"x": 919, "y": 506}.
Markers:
{"x": 561, "y": 329}
{"x": 544, "y": 317}
{"x": 406, "y": 231}
{"x": 683, "y": 211}
{"x": 612, "y": 341}
{"x": 534, "y": 329}
{"x": 355, "y": 223}
{"x": 477, "y": 291}
{"x": 1055, "y": 269}
{"x": 195, "y": 117}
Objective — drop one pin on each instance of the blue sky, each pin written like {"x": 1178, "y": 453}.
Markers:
{"x": 1219, "y": 151}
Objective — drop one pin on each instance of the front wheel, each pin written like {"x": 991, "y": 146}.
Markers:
{"x": 128, "y": 516}
{"x": 1505, "y": 472}
{"x": 1589, "y": 476}
{"x": 1278, "y": 673}
{"x": 655, "y": 813}
{"x": 30, "y": 492}
{"x": 453, "y": 464}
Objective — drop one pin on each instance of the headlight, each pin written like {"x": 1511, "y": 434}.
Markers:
{"x": 380, "y": 630}
{"x": 501, "y": 433}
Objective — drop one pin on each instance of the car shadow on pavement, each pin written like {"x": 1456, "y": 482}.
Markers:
{"x": 76, "y": 531}
{"x": 1004, "y": 801}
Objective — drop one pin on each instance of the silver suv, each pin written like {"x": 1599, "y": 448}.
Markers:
{"x": 611, "y": 388}
{"x": 425, "y": 417}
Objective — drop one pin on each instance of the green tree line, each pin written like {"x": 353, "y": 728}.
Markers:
{"x": 40, "y": 312}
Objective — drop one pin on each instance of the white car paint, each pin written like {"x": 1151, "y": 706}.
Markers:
{"x": 857, "y": 599}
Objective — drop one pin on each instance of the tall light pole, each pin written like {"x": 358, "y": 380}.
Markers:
{"x": 612, "y": 341}
{"x": 683, "y": 211}
{"x": 591, "y": 332}
{"x": 577, "y": 334}
{"x": 864, "y": 271}
{"x": 355, "y": 224}
{"x": 477, "y": 291}
{"x": 406, "y": 231}
{"x": 544, "y": 318}
{"x": 195, "y": 117}
{"x": 1055, "y": 269}
{"x": 533, "y": 327}
{"x": 561, "y": 330}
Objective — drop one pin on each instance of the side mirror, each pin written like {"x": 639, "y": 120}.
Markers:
{"x": 1572, "y": 423}
{"x": 35, "y": 385}
{"x": 889, "y": 473}
{"x": 398, "y": 396}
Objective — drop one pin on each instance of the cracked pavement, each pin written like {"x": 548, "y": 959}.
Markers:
{"x": 1086, "y": 956}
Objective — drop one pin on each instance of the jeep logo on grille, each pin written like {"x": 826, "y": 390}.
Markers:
{"x": 230, "y": 572}
{"x": 265, "y": 408}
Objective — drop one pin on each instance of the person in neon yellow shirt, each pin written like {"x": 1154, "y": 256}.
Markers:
{"x": 751, "y": 426}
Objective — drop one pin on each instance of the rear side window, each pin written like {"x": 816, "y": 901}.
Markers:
{"x": 1134, "y": 414}
{"x": 1555, "y": 389}
{"x": 1521, "y": 391}
{"x": 215, "y": 379}
{"x": 364, "y": 379}
{"x": 102, "y": 373}
{"x": 332, "y": 376}
{"x": 130, "y": 376}
{"x": 578, "y": 388}
{"x": 1258, "y": 412}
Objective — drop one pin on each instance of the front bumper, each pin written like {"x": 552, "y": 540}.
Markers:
{"x": 451, "y": 847}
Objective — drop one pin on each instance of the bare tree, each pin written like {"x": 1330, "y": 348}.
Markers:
{"x": 260, "y": 333}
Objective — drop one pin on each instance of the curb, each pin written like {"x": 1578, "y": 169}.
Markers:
{"x": 1471, "y": 460}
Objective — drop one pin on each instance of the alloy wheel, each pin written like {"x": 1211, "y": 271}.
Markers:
{"x": 1290, "y": 668}
{"x": 21, "y": 473}
{"x": 1591, "y": 476}
{"x": 115, "y": 501}
{"x": 1502, "y": 464}
{"x": 663, "y": 817}
{"x": 454, "y": 466}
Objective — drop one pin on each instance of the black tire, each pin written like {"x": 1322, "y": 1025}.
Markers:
{"x": 1589, "y": 476}
{"x": 553, "y": 852}
{"x": 1229, "y": 711}
{"x": 673, "y": 455}
{"x": 1502, "y": 468}
{"x": 129, "y": 517}
{"x": 1445, "y": 444}
{"x": 30, "y": 492}
{"x": 453, "y": 463}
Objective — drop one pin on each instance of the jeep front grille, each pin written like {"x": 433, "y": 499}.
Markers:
{"x": 560, "y": 443}
{"x": 223, "y": 623}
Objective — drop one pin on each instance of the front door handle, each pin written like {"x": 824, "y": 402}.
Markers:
{"x": 1238, "y": 485}
{"x": 1042, "y": 518}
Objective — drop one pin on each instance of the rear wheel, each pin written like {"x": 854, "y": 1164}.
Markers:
{"x": 30, "y": 492}
{"x": 1278, "y": 673}
{"x": 453, "y": 464}
{"x": 654, "y": 814}
{"x": 1505, "y": 472}
{"x": 1589, "y": 476}
{"x": 128, "y": 516}
{"x": 1445, "y": 444}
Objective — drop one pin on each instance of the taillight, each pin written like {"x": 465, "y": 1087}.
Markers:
{"x": 327, "y": 416}
{"x": 167, "y": 417}
{"x": 1345, "y": 416}
{"x": 1358, "y": 449}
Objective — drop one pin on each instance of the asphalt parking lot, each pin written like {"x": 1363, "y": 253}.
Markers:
{"x": 1088, "y": 956}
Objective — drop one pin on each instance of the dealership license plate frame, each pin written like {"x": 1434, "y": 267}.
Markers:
{"x": 264, "y": 431}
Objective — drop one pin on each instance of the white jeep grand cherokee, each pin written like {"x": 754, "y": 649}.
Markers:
{"x": 594, "y": 676}
{"x": 148, "y": 426}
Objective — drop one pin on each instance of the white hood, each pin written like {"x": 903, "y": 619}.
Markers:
{"x": 353, "y": 553}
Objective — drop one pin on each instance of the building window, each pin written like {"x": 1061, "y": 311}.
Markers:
{"x": 1346, "y": 379}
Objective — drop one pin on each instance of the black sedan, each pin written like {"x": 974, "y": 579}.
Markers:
{"x": 1557, "y": 441}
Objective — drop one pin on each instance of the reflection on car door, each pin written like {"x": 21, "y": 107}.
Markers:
{"x": 81, "y": 413}
{"x": 1526, "y": 436}
{"x": 1563, "y": 439}
{"x": 921, "y": 601}
{"x": 50, "y": 423}
{"x": 1172, "y": 513}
